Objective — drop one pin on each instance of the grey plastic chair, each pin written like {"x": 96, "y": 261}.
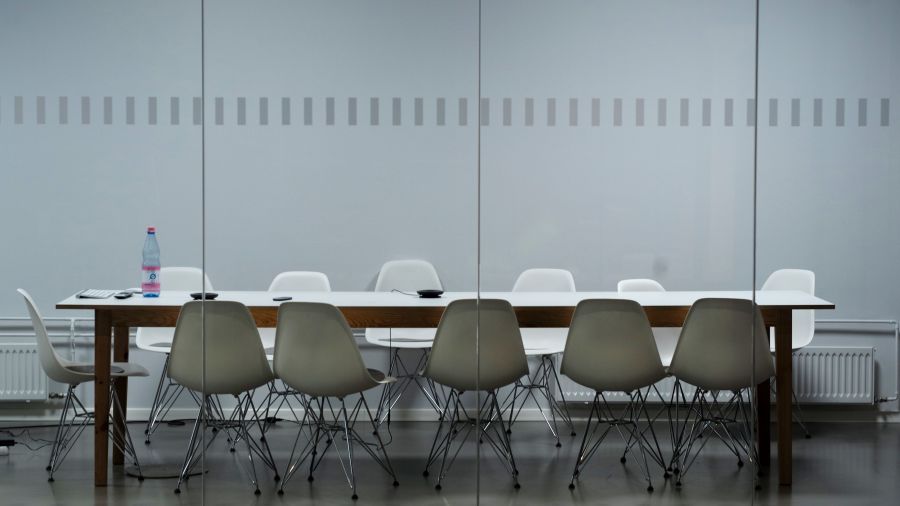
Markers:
{"x": 235, "y": 364}
{"x": 610, "y": 348}
{"x": 483, "y": 332}
{"x": 72, "y": 374}
{"x": 159, "y": 340}
{"x": 317, "y": 355}
{"x": 544, "y": 344}
{"x": 723, "y": 348}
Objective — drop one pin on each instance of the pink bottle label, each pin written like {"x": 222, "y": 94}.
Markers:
{"x": 150, "y": 279}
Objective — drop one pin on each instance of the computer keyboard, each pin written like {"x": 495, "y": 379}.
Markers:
{"x": 93, "y": 293}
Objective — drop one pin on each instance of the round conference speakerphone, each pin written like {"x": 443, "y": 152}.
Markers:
{"x": 429, "y": 294}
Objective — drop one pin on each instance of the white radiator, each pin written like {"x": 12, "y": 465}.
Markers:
{"x": 822, "y": 375}
{"x": 21, "y": 375}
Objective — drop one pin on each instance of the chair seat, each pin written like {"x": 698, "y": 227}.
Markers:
{"x": 412, "y": 338}
{"x": 116, "y": 370}
{"x": 156, "y": 339}
{"x": 542, "y": 341}
{"x": 380, "y": 376}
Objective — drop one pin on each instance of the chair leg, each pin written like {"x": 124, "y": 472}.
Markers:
{"x": 60, "y": 432}
{"x": 193, "y": 445}
{"x": 122, "y": 438}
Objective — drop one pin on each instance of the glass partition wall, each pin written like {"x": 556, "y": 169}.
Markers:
{"x": 340, "y": 169}
{"x": 617, "y": 163}
{"x": 99, "y": 140}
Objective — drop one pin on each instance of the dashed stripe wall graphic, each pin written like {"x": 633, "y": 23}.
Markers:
{"x": 440, "y": 111}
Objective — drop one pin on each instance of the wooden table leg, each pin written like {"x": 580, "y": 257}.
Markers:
{"x": 783, "y": 394}
{"x": 120, "y": 354}
{"x": 102, "y": 339}
{"x": 764, "y": 423}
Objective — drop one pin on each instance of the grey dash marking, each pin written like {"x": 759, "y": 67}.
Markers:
{"x": 863, "y": 112}
{"x": 573, "y": 112}
{"x": 18, "y": 110}
{"x": 751, "y": 112}
{"x": 661, "y": 112}
{"x": 885, "y": 112}
{"x": 617, "y": 112}
{"x": 107, "y": 110}
{"x": 795, "y": 112}
{"x": 242, "y": 111}
{"x": 485, "y": 111}
{"x": 197, "y": 111}
{"x": 463, "y": 111}
{"x": 419, "y": 111}
{"x": 63, "y": 110}
{"x": 685, "y": 112}
{"x": 551, "y": 112}
{"x": 396, "y": 112}
{"x": 373, "y": 111}
{"x": 285, "y": 110}
{"x": 263, "y": 110}
{"x": 329, "y": 111}
{"x": 706, "y": 116}
{"x": 507, "y": 112}
{"x": 174, "y": 110}
{"x": 351, "y": 111}
{"x": 729, "y": 112}
{"x": 639, "y": 112}
{"x": 220, "y": 111}
{"x": 773, "y": 112}
{"x": 151, "y": 110}
{"x": 839, "y": 112}
{"x": 441, "y": 111}
{"x": 817, "y": 112}
{"x": 85, "y": 110}
{"x": 129, "y": 110}
{"x": 41, "y": 113}
{"x": 529, "y": 112}
{"x": 307, "y": 111}
{"x": 595, "y": 112}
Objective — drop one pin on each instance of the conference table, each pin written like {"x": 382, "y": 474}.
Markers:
{"x": 113, "y": 319}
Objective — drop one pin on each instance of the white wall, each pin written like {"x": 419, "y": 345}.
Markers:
{"x": 622, "y": 198}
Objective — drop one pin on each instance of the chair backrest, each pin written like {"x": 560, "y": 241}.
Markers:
{"x": 316, "y": 353}
{"x": 545, "y": 280}
{"x": 408, "y": 276}
{"x": 499, "y": 352}
{"x": 183, "y": 279}
{"x": 640, "y": 285}
{"x": 803, "y": 326}
{"x": 50, "y": 361}
{"x": 300, "y": 281}
{"x": 714, "y": 350}
{"x": 235, "y": 359}
{"x": 610, "y": 347}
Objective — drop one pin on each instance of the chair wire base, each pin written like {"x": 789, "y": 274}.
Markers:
{"x": 706, "y": 416}
{"x": 167, "y": 392}
{"x": 457, "y": 424}
{"x": 543, "y": 381}
{"x": 341, "y": 423}
{"x": 236, "y": 427}
{"x": 407, "y": 376}
{"x": 601, "y": 414}
{"x": 70, "y": 428}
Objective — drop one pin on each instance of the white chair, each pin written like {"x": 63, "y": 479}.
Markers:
{"x": 317, "y": 356}
{"x": 72, "y": 374}
{"x": 666, "y": 337}
{"x": 803, "y": 326}
{"x": 723, "y": 348}
{"x": 405, "y": 276}
{"x": 544, "y": 343}
{"x": 483, "y": 332}
{"x": 221, "y": 335}
{"x": 159, "y": 340}
{"x": 610, "y": 348}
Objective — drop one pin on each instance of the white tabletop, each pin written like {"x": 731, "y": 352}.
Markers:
{"x": 768, "y": 298}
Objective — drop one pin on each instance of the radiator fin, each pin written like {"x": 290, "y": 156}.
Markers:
{"x": 21, "y": 375}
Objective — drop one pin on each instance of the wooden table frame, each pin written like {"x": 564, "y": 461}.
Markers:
{"x": 112, "y": 324}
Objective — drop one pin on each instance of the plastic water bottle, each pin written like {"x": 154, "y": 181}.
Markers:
{"x": 150, "y": 268}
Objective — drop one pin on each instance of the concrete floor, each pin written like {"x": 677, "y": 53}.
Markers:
{"x": 842, "y": 464}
